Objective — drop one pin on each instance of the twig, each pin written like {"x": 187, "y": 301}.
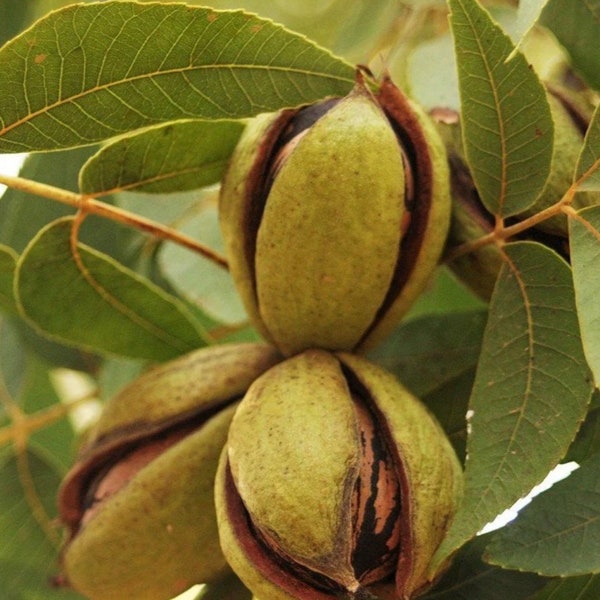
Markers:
{"x": 501, "y": 233}
{"x": 91, "y": 206}
{"x": 24, "y": 424}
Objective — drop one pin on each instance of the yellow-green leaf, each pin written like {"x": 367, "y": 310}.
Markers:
{"x": 527, "y": 15}
{"x": 577, "y": 27}
{"x": 584, "y": 229}
{"x": 587, "y": 174}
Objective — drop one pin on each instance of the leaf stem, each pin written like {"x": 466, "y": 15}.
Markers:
{"x": 18, "y": 432}
{"x": 500, "y": 233}
{"x": 89, "y": 205}
{"x": 23, "y": 425}
{"x": 470, "y": 246}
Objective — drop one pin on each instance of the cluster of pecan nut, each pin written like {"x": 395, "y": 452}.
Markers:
{"x": 308, "y": 470}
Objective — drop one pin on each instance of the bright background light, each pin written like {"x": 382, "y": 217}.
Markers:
{"x": 10, "y": 164}
{"x": 558, "y": 473}
{"x": 191, "y": 594}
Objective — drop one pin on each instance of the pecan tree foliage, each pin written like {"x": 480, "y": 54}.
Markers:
{"x": 111, "y": 258}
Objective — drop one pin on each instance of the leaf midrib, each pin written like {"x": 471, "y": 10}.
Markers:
{"x": 113, "y": 84}
{"x": 527, "y": 391}
{"x": 498, "y": 104}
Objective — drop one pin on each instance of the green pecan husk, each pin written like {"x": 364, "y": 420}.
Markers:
{"x": 334, "y": 217}
{"x": 138, "y": 503}
{"x": 335, "y": 482}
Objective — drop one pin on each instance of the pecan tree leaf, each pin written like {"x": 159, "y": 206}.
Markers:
{"x": 531, "y": 390}
{"x": 558, "y": 534}
{"x": 587, "y": 175}
{"x": 584, "y": 230}
{"x": 84, "y": 297}
{"x": 174, "y": 157}
{"x": 88, "y": 72}
{"x": 507, "y": 127}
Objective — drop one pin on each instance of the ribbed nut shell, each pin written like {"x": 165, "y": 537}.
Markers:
{"x": 138, "y": 504}
{"x": 332, "y": 231}
{"x": 304, "y": 497}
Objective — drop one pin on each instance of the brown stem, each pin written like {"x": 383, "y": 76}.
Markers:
{"x": 91, "y": 206}
{"x": 23, "y": 425}
{"x": 470, "y": 246}
{"x": 18, "y": 432}
{"x": 501, "y": 233}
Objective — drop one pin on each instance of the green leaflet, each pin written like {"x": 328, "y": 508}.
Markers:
{"x": 587, "y": 174}
{"x": 175, "y": 157}
{"x": 98, "y": 304}
{"x": 558, "y": 534}
{"x": 507, "y": 126}
{"x": 577, "y": 27}
{"x": 584, "y": 229}
{"x": 528, "y": 14}
{"x": 428, "y": 351}
{"x": 531, "y": 390}
{"x": 584, "y": 587}
{"x": 89, "y": 72}
{"x": 470, "y": 578}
